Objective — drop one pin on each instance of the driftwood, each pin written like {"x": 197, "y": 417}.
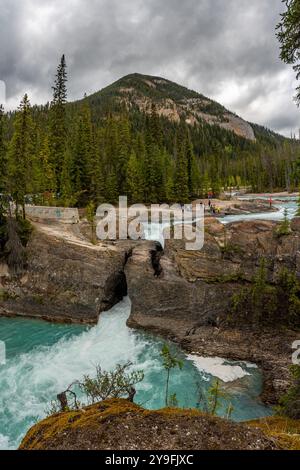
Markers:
{"x": 131, "y": 394}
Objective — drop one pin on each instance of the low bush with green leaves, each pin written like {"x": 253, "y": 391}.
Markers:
{"x": 119, "y": 383}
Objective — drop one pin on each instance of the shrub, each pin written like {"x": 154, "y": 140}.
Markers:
{"x": 290, "y": 403}
{"x": 265, "y": 303}
{"x": 284, "y": 227}
{"x": 114, "y": 384}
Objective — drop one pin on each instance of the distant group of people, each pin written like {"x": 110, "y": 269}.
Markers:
{"x": 213, "y": 209}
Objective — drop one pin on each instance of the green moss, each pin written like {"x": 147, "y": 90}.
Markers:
{"x": 89, "y": 417}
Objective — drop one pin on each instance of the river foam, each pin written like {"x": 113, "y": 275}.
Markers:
{"x": 220, "y": 368}
{"x": 4, "y": 443}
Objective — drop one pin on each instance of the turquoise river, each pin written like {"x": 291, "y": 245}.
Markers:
{"x": 43, "y": 359}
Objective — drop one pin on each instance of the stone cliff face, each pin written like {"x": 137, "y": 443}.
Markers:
{"x": 196, "y": 286}
{"x": 187, "y": 298}
{"x": 65, "y": 281}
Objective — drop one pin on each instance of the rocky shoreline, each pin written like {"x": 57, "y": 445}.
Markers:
{"x": 177, "y": 294}
{"x": 236, "y": 206}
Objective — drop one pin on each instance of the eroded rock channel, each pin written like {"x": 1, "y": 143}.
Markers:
{"x": 182, "y": 295}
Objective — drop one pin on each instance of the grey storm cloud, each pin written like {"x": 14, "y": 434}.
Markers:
{"x": 225, "y": 49}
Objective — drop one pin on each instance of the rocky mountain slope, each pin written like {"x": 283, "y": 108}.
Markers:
{"x": 171, "y": 101}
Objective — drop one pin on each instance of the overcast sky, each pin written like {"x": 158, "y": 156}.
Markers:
{"x": 225, "y": 49}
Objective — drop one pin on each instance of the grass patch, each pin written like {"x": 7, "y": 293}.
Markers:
{"x": 285, "y": 431}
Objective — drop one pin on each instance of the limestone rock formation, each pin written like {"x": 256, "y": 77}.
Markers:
{"x": 64, "y": 281}
{"x": 185, "y": 295}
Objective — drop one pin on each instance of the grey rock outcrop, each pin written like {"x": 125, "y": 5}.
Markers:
{"x": 186, "y": 295}
{"x": 66, "y": 282}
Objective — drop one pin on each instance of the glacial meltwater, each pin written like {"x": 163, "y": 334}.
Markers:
{"x": 43, "y": 359}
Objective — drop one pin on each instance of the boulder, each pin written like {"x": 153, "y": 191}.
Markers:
{"x": 295, "y": 224}
{"x": 196, "y": 287}
{"x": 66, "y": 282}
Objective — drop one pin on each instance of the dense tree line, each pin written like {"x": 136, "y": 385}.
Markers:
{"x": 95, "y": 150}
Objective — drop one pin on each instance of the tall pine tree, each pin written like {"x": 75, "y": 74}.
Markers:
{"x": 20, "y": 155}
{"x": 181, "y": 177}
{"x": 3, "y": 156}
{"x": 58, "y": 120}
{"x": 83, "y": 155}
{"x": 46, "y": 173}
{"x": 134, "y": 180}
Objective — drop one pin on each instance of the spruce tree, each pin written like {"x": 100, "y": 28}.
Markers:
{"x": 216, "y": 186}
{"x": 112, "y": 193}
{"x": 123, "y": 153}
{"x": 58, "y": 120}
{"x": 3, "y": 155}
{"x": 68, "y": 194}
{"x": 181, "y": 177}
{"x": 96, "y": 169}
{"x": 155, "y": 127}
{"x": 20, "y": 153}
{"x": 288, "y": 35}
{"x": 190, "y": 165}
{"x": 46, "y": 173}
{"x": 192, "y": 168}
{"x": 83, "y": 155}
{"x": 153, "y": 168}
{"x": 134, "y": 180}
{"x": 205, "y": 185}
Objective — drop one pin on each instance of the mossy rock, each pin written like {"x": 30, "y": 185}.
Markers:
{"x": 121, "y": 425}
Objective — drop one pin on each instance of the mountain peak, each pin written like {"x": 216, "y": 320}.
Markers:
{"x": 174, "y": 102}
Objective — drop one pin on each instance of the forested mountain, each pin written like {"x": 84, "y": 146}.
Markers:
{"x": 139, "y": 92}
{"x": 142, "y": 136}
